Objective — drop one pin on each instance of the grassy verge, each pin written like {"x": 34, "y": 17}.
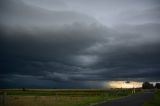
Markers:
{"x": 99, "y": 99}
{"x": 93, "y": 100}
{"x": 155, "y": 101}
{"x": 102, "y": 98}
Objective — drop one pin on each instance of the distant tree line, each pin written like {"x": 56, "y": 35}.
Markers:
{"x": 147, "y": 85}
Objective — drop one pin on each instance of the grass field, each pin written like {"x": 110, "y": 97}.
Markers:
{"x": 155, "y": 101}
{"x": 58, "y": 97}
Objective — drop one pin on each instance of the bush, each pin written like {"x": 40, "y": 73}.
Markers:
{"x": 157, "y": 85}
{"x": 147, "y": 85}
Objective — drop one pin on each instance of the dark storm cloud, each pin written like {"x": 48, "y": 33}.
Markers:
{"x": 113, "y": 12}
{"x": 18, "y": 13}
{"x": 60, "y": 46}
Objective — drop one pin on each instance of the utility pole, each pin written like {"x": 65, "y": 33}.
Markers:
{"x": 134, "y": 88}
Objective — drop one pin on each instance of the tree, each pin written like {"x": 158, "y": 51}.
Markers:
{"x": 147, "y": 85}
{"x": 157, "y": 85}
{"x": 23, "y": 89}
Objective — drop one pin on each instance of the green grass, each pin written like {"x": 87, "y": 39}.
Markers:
{"x": 58, "y": 97}
{"x": 155, "y": 101}
{"x": 88, "y": 92}
{"x": 112, "y": 94}
{"x": 93, "y": 100}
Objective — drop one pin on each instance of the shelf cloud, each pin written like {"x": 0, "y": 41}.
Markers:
{"x": 65, "y": 44}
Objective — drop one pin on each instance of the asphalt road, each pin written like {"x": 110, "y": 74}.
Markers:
{"x": 134, "y": 100}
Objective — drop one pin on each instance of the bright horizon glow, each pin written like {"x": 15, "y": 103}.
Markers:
{"x": 123, "y": 84}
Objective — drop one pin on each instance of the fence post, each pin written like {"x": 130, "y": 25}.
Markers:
{"x": 3, "y": 98}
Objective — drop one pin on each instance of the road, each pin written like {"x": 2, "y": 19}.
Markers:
{"x": 134, "y": 100}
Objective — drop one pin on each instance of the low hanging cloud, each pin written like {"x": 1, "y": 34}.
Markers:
{"x": 66, "y": 46}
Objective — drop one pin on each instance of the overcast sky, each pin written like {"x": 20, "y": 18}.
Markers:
{"x": 78, "y": 43}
